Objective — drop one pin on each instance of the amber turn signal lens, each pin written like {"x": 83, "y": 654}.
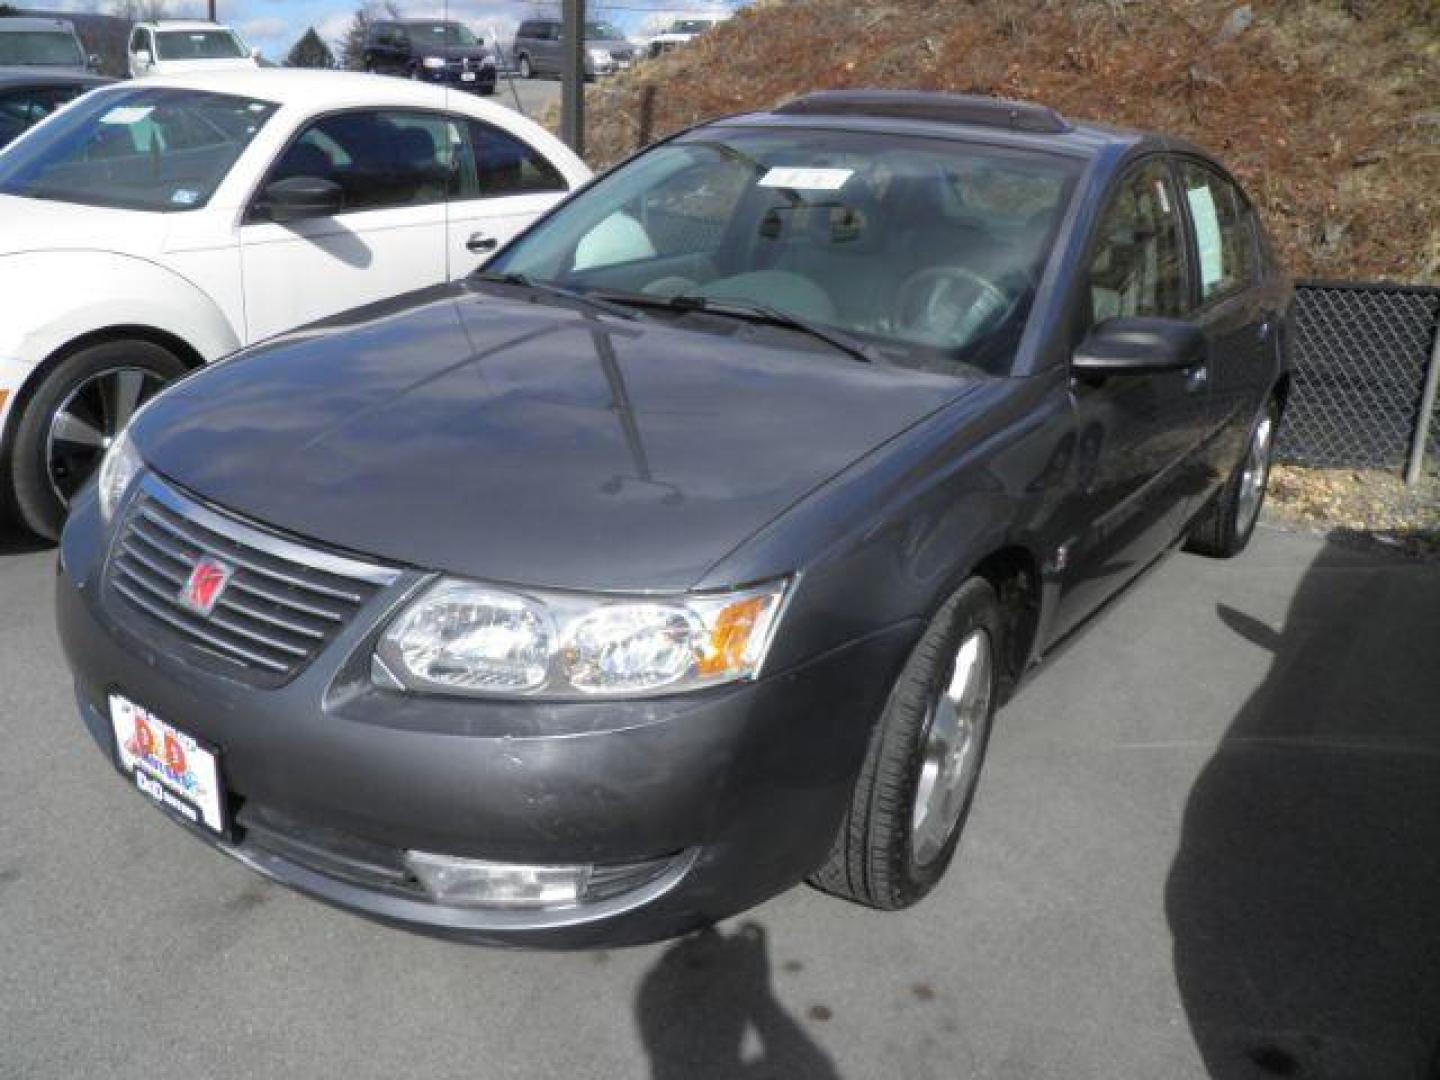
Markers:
{"x": 732, "y": 633}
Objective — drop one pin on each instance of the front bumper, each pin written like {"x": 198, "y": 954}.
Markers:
{"x": 483, "y": 82}
{"x": 739, "y": 789}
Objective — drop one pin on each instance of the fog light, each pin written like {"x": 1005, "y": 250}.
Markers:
{"x": 480, "y": 883}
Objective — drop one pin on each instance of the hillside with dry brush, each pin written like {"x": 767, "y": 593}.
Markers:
{"x": 1328, "y": 110}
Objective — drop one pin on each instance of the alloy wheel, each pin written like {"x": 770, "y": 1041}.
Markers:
{"x": 88, "y": 421}
{"x": 955, "y": 733}
{"x": 1255, "y": 474}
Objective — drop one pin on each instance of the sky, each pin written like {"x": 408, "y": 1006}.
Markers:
{"x": 274, "y": 25}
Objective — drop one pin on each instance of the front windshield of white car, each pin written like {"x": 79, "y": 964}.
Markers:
{"x": 161, "y": 149}
{"x": 46, "y": 48}
{"x": 603, "y": 31}
{"x": 198, "y": 45}
{"x": 929, "y": 249}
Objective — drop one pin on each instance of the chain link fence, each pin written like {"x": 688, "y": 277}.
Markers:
{"x": 1359, "y": 361}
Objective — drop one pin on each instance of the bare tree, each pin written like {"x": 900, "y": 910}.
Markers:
{"x": 352, "y": 46}
{"x": 140, "y": 10}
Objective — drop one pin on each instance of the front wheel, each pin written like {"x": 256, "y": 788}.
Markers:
{"x": 74, "y": 415}
{"x": 1224, "y": 527}
{"x": 922, "y": 768}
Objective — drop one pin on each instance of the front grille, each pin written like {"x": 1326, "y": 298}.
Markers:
{"x": 283, "y": 602}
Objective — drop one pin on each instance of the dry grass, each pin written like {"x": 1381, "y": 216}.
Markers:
{"x": 1328, "y": 110}
{"x": 1364, "y": 503}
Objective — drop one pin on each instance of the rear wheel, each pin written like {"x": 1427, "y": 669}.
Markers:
{"x": 72, "y": 418}
{"x": 921, "y": 771}
{"x": 1224, "y": 527}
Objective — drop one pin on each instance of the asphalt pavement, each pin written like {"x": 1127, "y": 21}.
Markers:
{"x": 1207, "y": 844}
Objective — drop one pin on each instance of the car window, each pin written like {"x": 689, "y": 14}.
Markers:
{"x": 137, "y": 41}
{"x": 842, "y": 228}
{"x": 1138, "y": 265}
{"x": 44, "y": 47}
{"x": 1224, "y": 231}
{"x": 198, "y": 45}
{"x": 20, "y": 109}
{"x": 497, "y": 163}
{"x": 381, "y": 159}
{"x": 164, "y": 149}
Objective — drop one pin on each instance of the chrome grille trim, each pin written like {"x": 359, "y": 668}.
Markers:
{"x": 285, "y": 602}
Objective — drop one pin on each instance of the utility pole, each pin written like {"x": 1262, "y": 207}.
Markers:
{"x": 212, "y": 12}
{"x": 572, "y": 67}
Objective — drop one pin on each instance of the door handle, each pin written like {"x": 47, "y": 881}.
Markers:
{"x": 479, "y": 244}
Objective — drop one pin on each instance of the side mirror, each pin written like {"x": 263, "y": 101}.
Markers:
{"x": 1139, "y": 346}
{"x": 142, "y": 57}
{"x": 95, "y": 61}
{"x": 254, "y": 53}
{"x": 298, "y": 197}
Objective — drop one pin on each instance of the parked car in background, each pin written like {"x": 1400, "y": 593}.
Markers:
{"x": 539, "y": 48}
{"x": 45, "y": 43}
{"x": 176, "y": 47}
{"x": 159, "y": 224}
{"x": 682, "y": 32}
{"x": 28, "y": 95}
{"x": 431, "y": 51}
{"x": 687, "y": 551}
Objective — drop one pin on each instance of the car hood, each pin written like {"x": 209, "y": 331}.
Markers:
{"x": 47, "y": 225}
{"x": 185, "y": 67}
{"x": 455, "y": 52}
{"x": 527, "y": 443}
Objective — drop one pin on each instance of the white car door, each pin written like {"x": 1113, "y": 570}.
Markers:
{"x": 395, "y": 168}
{"x": 502, "y": 185}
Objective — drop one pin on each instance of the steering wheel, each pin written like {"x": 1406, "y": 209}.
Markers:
{"x": 949, "y": 305}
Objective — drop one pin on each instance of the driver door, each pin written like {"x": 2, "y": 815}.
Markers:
{"x": 1138, "y": 436}
{"x": 395, "y": 169}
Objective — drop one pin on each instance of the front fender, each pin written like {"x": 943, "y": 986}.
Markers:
{"x": 54, "y": 298}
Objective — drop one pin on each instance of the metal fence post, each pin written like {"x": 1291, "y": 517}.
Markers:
{"x": 1427, "y": 410}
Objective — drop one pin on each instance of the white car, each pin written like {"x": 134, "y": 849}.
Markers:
{"x": 682, "y": 32}
{"x": 176, "y": 47}
{"x": 153, "y": 226}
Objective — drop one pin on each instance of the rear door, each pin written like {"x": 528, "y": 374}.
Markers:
{"x": 502, "y": 184}
{"x": 1232, "y": 310}
{"x": 1136, "y": 436}
{"x": 395, "y": 169}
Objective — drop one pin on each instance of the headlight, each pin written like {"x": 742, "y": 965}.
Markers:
{"x": 433, "y": 62}
{"x": 118, "y": 470}
{"x": 467, "y": 638}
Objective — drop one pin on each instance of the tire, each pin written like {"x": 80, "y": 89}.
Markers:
{"x": 525, "y": 69}
{"x": 41, "y": 488}
{"x": 1225, "y": 526}
{"x": 879, "y": 858}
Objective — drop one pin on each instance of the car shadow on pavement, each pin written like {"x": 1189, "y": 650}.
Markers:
{"x": 1304, "y": 899}
{"x": 707, "y": 1010}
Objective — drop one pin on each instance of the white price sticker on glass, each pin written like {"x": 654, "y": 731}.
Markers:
{"x": 125, "y": 115}
{"x": 806, "y": 179}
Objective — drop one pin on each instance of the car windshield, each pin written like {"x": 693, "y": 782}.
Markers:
{"x": 198, "y": 45}
{"x": 48, "y": 48}
{"x": 930, "y": 249}
{"x": 443, "y": 34}
{"x": 603, "y": 31}
{"x": 689, "y": 26}
{"x": 138, "y": 149}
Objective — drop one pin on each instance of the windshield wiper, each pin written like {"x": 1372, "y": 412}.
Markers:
{"x": 524, "y": 281}
{"x": 753, "y": 311}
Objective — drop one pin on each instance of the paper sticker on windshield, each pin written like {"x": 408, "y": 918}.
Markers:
{"x": 126, "y": 115}
{"x": 185, "y": 197}
{"x": 807, "y": 179}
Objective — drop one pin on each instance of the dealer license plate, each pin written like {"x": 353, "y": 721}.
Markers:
{"x": 169, "y": 766}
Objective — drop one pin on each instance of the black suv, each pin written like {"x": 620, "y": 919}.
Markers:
{"x": 432, "y": 51}
{"x": 686, "y": 552}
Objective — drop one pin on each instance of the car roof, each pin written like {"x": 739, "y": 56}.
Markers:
{"x": 15, "y": 23}
{"x": 322, "y": 91}
{"x": 12, "y": 77}
{"x": 963, "y": 117}
{"x": 184, "y": 24}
